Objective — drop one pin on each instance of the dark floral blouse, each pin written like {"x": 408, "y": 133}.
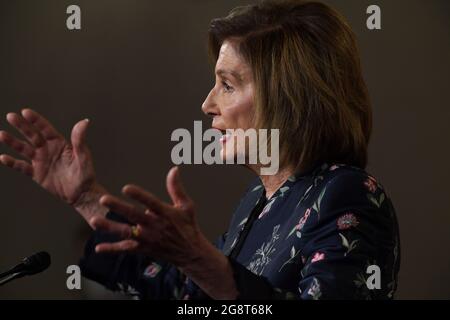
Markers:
{"x": 329, "y": 234}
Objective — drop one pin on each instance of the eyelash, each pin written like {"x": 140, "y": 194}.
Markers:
{"x": 227, "y": 87}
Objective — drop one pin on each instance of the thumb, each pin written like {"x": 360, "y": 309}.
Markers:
{"x": 78, "y": 136}
{"x": 176, "y": 190}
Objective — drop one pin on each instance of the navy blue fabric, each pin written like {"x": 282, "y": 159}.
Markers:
{"x": 320, "y": 236}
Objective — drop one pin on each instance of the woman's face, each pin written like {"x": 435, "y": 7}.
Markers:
{"x": 230, "y": 101}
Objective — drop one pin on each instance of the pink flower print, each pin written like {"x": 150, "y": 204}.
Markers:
{"x": 303, "y": 219}
{"x": 152, "y": 270}
{"x": 317, "y": 257}
{"x": 347, "y": 221}
{"x": 371, "y": 184}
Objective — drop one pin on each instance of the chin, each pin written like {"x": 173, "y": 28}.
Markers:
{"x": 228, "y": 157}
{"x": 231, "y": 157}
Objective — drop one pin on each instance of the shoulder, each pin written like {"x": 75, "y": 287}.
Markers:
{"x": 341, "y": 174}
{"x": 348, "y": 199}
{"x": 347, "y": 187}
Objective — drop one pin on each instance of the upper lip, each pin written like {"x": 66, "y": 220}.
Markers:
{"x": 221, "y": 130}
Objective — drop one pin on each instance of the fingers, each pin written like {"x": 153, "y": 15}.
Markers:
{"x": 175, "y": 188}
{"x": 26, "y": 129}
{"x": 78, "y": 136}
{"x": 120, "y": 229}
{"x": 132, "y": 213}
{"x": 146, "y": 198}
{"x": 121, "y": 246}
{"x": 18, "y": 165}
{"x": 20, "y": 146}
{"x": 47, "y": 131}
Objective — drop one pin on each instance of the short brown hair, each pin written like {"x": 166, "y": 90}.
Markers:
{"x": 308, "y": 79}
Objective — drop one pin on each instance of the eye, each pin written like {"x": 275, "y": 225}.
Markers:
{"x": 227, "y": 87}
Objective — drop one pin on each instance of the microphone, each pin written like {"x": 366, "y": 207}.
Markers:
{"x": 33, "y": 264}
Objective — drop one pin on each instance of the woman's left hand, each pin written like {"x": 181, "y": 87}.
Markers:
{"x": 163, "y": 231}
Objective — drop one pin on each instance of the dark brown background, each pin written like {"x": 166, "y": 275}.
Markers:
{"x": 138, "y": 70}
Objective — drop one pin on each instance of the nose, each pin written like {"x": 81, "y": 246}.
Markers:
{"x": 209, "y": 106}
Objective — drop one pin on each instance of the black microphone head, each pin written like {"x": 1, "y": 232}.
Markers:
{"x": 36, "y": 263}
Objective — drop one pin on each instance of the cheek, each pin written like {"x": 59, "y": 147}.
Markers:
{"x": 240, "y": 113}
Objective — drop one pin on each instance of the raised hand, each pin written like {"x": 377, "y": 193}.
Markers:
{"x": 65, "y": 169}
{"x": 168, "y": 232}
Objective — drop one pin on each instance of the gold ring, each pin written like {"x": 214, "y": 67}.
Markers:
{"x": 135, "y": 231}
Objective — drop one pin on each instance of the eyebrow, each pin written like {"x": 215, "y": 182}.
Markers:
{"x": 222, "y": 72}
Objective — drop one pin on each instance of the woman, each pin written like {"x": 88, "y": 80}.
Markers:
{"x": 320, "y": 228}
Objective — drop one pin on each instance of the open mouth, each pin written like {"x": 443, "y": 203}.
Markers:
{"x": 225, "y": 135}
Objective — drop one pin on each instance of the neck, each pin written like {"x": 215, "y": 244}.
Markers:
{"x": 273, "y": 182}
